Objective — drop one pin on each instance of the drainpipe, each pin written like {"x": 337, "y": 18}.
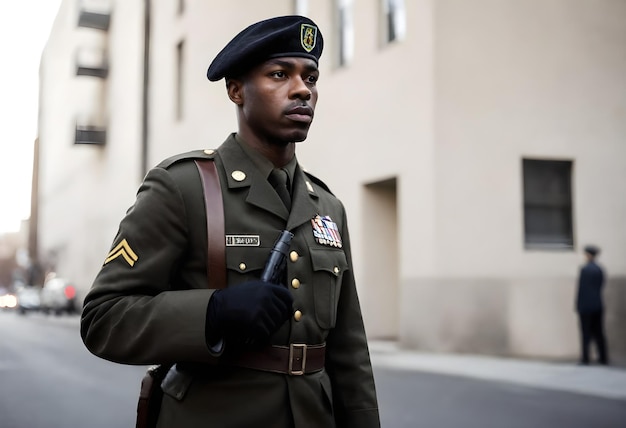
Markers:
{"x": 145, "y": 89}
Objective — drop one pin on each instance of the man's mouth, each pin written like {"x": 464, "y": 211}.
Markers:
{"x": 300, "y": 114}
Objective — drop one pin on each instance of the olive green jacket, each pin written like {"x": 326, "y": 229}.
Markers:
{"x": 148, "y": 303}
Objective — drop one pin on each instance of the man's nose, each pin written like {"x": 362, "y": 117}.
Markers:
{"x": 300, "y": 89}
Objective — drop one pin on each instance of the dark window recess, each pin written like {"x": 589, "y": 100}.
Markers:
{"x": 391, "y": 22}
{"x": 90, "y": 135}
{"x": 395, "y": 20}
{"x": 91, "y": 61}
{"x": 180, "y": 57}
{"x": 93, "y": 19}
{"x": 342, "y": 37}
{"x": 548, "y": 219}
{"x": 90, "y": 70}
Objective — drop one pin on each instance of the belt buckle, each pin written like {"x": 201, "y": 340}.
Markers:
{"x": 297, "y": 351}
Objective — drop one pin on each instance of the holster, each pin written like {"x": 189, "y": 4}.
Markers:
{"x": 150, "y": 396}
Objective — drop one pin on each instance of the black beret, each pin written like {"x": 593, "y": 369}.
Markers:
{"x": 592, "y": 249}
{"x": 272, "y": 38}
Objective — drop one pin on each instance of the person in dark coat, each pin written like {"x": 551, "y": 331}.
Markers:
{"x": 590, "y": 307}
{"x": 307, "y": 362}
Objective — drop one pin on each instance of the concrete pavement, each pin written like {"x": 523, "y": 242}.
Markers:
{"x": 601, "y": 381}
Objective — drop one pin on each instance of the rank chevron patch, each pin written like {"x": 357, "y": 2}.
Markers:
{"x": 124, "y": 250}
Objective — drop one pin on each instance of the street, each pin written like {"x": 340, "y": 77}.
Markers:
{"x": 50, "y": 380}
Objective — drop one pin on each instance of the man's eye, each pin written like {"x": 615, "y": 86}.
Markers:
{"x": 311, "y": 79}
{"x": 279, "y": 74}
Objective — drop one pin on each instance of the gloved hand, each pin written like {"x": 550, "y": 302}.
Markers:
{"x": 247, "y": 312}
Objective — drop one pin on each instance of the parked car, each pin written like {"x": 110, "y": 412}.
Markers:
{"x": 28, "y": 299}
{"x": 58, "y": 295}
{"x": 8, "y": 300}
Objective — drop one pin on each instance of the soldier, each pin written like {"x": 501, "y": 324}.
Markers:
{"x": 590, "y": 307}
{"x": 252, "y": 354}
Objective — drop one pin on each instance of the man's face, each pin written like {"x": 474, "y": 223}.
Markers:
{"x": 278, "y": 99}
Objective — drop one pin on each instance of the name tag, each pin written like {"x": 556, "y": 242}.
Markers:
{"x": 243, "y": 240}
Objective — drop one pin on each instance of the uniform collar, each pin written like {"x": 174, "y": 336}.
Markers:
{"x": 264, "y": 165}
{"x": 242, "y": 171}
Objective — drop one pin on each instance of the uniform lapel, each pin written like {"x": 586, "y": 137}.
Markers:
{"x": 241, "y": 172}
{"x": 304, "y": 201}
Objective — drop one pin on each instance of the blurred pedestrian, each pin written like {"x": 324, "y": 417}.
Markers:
{"x": 590, "y": 307}
{"x": 290, "y": 354}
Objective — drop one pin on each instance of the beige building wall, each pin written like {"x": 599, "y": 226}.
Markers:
{"x": 422, "y": 139}
{"x": 525, "y": 79}
{"x": 84, "y": 189}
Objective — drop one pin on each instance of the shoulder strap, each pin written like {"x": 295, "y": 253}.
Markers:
{"x": 318, "y": 182}
{"x": 216, "y": 259}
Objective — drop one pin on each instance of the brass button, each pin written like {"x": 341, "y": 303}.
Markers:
{"x": 238, "y": 175}
{"x": 242, "y": 266}
{"x": 295, "y": 283}
{"x": 209, "y": 151}
{"x": 336, "y": 270}
{"x": 297, "y": 315}
{"x": 293, "y": 256}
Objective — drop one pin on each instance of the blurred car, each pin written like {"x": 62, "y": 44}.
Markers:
{"x": 8, "y": 301}
{"x": 58, "y": 295}
{"x": 28, "y": 299}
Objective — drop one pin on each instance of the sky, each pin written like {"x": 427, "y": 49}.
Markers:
{"x": 24, "y": 29}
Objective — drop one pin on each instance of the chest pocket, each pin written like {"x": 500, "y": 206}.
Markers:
{"x": 245, "y": 263}
{"x": 328, "y": 269}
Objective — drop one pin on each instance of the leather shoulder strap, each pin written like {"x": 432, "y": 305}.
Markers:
{"x": 216, "y": 260}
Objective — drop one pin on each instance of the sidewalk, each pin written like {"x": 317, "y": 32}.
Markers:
{"x": 606, "y": 382}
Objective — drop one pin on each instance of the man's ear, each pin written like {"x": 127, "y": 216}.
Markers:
{"x": 234, "y": 87}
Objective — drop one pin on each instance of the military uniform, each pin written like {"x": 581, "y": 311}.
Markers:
{"x": 590, "y": 308}
{"x": 148, "y": 304}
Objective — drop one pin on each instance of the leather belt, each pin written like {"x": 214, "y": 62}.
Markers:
{"x": 295, "y": 360}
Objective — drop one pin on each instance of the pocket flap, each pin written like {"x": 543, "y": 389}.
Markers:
{"x": 331, "y": 261}
{"x": 246, "y": 259}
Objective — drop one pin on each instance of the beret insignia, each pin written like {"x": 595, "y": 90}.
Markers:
{"x": 308, "y": 36}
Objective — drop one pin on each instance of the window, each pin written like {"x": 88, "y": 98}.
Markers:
{"x": 180, "y": 51}
{"x": 548, "y": 204}
{"x": 301, "y": 7}
{"x": 345, "y": 29}
{"x": 395, "y": 20}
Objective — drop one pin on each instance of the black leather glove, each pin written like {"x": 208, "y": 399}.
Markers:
{"x": 248, "y": 312}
